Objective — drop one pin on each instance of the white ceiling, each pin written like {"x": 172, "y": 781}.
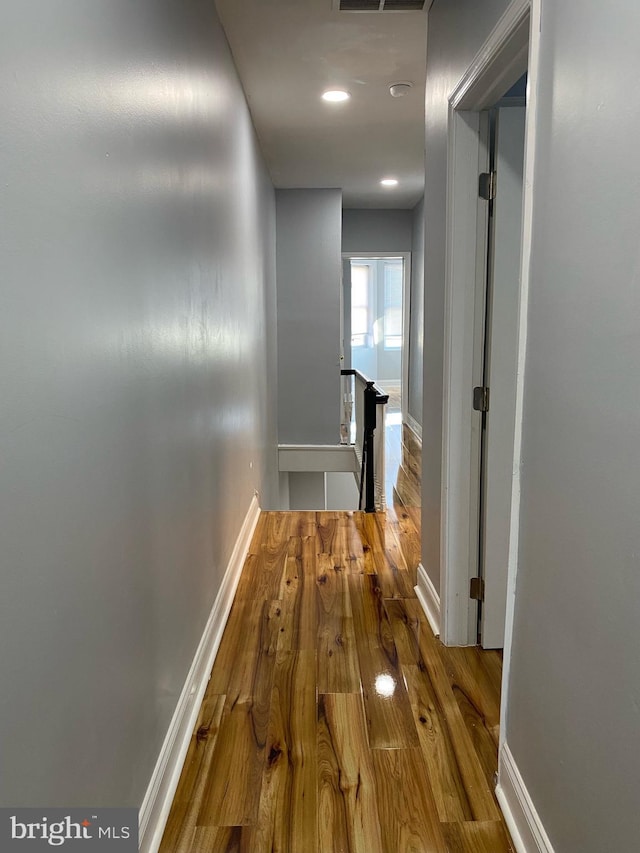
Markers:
{"x": 289, "y": 51}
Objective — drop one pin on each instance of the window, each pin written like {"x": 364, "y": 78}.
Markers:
{"x": 360, "y": 278}
{"x": 393, "y": 304}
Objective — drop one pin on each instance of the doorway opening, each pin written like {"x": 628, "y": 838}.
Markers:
{"x": 375, "y": 342}
{"x": 498, "y": 353}
{"x": 491, "y": 148}
{"x": 377, "y": 322}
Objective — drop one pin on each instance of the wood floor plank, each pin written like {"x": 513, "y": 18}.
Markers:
{"x": 288, "y": 802}
{"x": 251, "y": 576}
{"x": 415, "y": 514}
{"x": 435, "y": 714}
{"x": 277, "y": 527}
{"x": 392, "y": 566}
{"x": 303, "y": 524}
{"x": 405, "y": 627}
{"x": 347, "y": 798}
{"x": 298, "y": 594}
{"x": 447, "y": 782}
{"x": 395, "y": 583}
{"x": 232, "y": 795}
{"x": 338, "y": 669}
{"x": 383, "y": 557}
{"x": 478, "y": 788}
{"x": 354, "y": 553}
{"x": 491, "y": 660}
{"x": 388, "y": 712}
{"x": 327, "y": 528}
{"x": 478, "y": 700}
{"x": 410, "y": 537}
{"x": 233, "y": 792}
{"x": 370, "y": 616}
{"x": 395, "y": 752}
{"x": 262, "y": 574}
{"x": 466, "y": 670}
{"x": 408, "y": 816}
{"x": 477, "y": 837}
{"x": 391, "y": 552}
{"x": 409, "y": 541}
{"x": 181, "y": 824}
{"x": 332, "y": 587}
{"x": 407, "y": 488}
{"x": 252, "y": 633}
{"x": 220, "y": 839}
{"x": 367, "y": 534}
{"x": 480, "y": 736}
{"x": 334, "y": 540}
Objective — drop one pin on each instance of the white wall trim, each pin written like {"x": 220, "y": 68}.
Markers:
{"x": 376, "y": 255}
{"x": 525, "y": 273}
{"x": 164, "y": 781}
{"x": 525, "y": 826}
{"x": 460, "y": 430}
{"x": 414, "y": 426}
{"x": 317, "y": 457}
{"x": 406, "y": 329}
{"x": 505, "y": 49}
{"x": 429, "y": 599}
{"x": 503, "y": 54}
{"x": 406, "y": 295}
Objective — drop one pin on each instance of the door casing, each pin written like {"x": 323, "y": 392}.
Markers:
{"x": 500, "y": 360}
{"x": 406, "y": 296}
{"x": 511, "y": 49}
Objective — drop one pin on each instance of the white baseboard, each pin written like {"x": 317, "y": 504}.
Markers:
{"x": 429, "y": 599}
{"x": 414, "y": 426}
{"x": 164, "y": 781}
{"x": 520, "y": 814}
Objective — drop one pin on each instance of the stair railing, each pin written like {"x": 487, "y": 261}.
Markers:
{"x": 363, "y": 413}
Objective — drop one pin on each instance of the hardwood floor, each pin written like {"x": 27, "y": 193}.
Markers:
{"x": 334, "y": 721}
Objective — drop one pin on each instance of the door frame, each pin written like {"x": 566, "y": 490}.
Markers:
{"x": 511, "y": 48}
{"x": 406, "y": 296}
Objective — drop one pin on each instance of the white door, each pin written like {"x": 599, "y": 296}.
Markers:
{"x": 500, "y": 371}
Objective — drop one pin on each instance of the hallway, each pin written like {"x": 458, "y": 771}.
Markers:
{"x": 334, "y": 720}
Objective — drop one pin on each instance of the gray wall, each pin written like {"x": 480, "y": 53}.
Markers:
{"x": 573, "y": 719}
{"x": 309, "y": 281}
{"x": 307, "y": 490}
{"x": 456, "y": 31}
{"x": 574, "y": 696}
{"x": 138, "y": 288}
{"x": 376, "y": 230}
{"x": 416, "y": 317}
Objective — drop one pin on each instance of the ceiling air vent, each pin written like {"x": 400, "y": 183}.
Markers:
{"x": 379, "y": 5}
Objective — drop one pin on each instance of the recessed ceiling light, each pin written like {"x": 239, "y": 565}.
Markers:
{"x": 389, "y": 182}
{"x": 336, "y": 95}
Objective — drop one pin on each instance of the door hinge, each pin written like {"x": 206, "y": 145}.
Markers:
{"x": 476, "y": 589}
{"x": 481, "y": 398}
{"x": 487, "y": 186}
